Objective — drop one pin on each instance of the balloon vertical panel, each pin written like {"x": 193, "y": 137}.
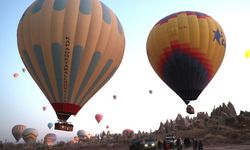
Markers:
{"x": 26, "y": 37}
{"x": 109, "y": 62}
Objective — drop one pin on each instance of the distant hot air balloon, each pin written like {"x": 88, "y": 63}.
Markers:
{"x": 50, "y": 139}
{"x": 114, "y": 97}
{"x": 89, "y": 135}
{"x": 29, "y": 135}
{"x": 17, "y": 131}
{"x": 23, "y": 69}
{"x": 16, "y": 75}
{"x": 75, "y": 139}
{"x": 71, "y": 48}
{"x": 98, "y": 117}
{"x": 50, "y": 125}
{"x": 128, "y": 133}
{"x": 44, "y": 108}
{"x": 107, "y": 126}
{"x": 150, "y": 91}
{"x": 186, "y": 49}
{"x": 247, "y": 53}
{"x": 82, "y": 134}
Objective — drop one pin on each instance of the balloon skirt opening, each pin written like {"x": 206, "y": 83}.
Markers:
{"x": 65, "y": 110}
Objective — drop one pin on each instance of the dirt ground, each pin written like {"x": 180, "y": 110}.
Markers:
{"x": 228, "y": 147}
{"x": 114, "y": 146}
{"x": 125, "y": 147}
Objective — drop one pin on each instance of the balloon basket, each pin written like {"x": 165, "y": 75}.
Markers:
{"x": 64, "y": 126}
{"x": 190, "y": 109}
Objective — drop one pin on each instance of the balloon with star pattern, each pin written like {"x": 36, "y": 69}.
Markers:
{"x": 186, "y": 49}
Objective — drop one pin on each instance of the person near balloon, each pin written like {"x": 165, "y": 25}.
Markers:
{"x": 200, "y": 145}
{"x": 195, "y": 144}
{"x": 159, "y": 144}
{"x": 179, "y": 144}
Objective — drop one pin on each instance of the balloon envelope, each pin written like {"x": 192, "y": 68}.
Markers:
{"x": 17, "y": 131}
{"x": 50, "y": 125}
{"x": 114, "y": 97}
{"x": 50, "y": 139}
{"x": 150, "y": 91}
{"x": 98, "y": 117}
{"x": 75, "y": 139}
{"x": 71, "y": 48}
{"x": 186, "y": 49}
{"x": 23, "y": 69}
{"x": 16, "y": 75}
{"x": 128, "y": 133}
{"x": 247, "y": 53}
{"x": 29, "y": 135}
{"x": 44, "y": 108}
{"x": 82, "y": 134}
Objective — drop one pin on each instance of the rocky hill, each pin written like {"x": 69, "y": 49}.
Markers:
{"x": 222, "y": 126}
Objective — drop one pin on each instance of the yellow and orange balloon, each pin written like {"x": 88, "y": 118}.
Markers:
{"x": 247, "y": 53}
{"x": 71, "y": 48}
{"x": 186, "y": 49}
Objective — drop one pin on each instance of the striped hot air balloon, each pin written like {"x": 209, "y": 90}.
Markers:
{"x": 29, "y": 135}
{"x": 50, "y": 139}
{"x": 186, "y": 49}
{"x": 71, "y": 48}
{"x": 17, "y": 131}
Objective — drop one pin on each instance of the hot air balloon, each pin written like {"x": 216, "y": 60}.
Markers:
{"x": 29, "y": 135}
{"x": 16, "y": 75}
{"x": 98, "y": 117}
{"x": 247, "y": 53}
{"x": 17, "y": 131}
{"x": 128, "y": 133}
{"x": 71, "y": 48}
{"x": 82, "y": 135}
{"x": 50, "y": 125}
{"x": 23, "y": 69}
{"x": 186, "y": 49}
{"x": 107, "y": 126}
{"x": 44, "y": 108}
{"x": 75, "y": 139}
{"x": 150, "y": 91}
{"x": 50, "y": 139}
{"x": 114, "y": 97}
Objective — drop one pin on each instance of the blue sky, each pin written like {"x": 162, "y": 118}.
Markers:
{"x": 135, "y": 108}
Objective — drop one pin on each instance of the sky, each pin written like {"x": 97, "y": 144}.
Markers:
{"x": 134, "y": 108}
